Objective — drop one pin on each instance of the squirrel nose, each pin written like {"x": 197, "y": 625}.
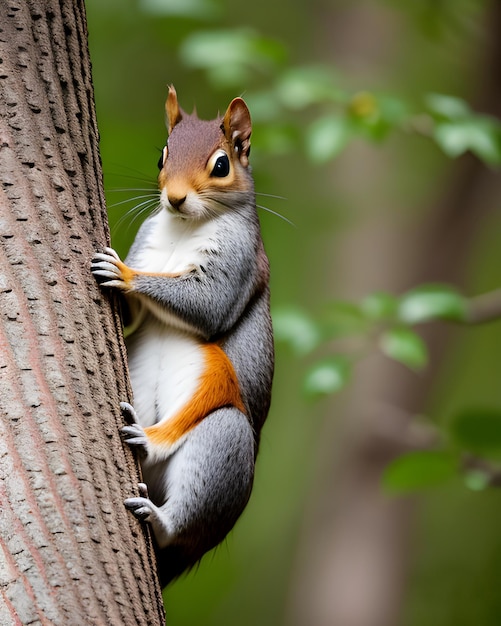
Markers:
{"x": 176, "y": 201}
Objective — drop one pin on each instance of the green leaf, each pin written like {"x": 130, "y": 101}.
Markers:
{"x": 327, "y": 376}
{"x": 420, "y": 470}
{"x": 375, "y": 116}
{"x": 393, "y": 110}
{"x": 429, "y": 302}
{"x": 405, "y": 346}
{"x": 453, "y": 138}
{"x": 478, "y": 431}
{"x": 297, "y": 329}
{"x": 477, "y": 480}
{"x": 480, "y": 135}
{"x": 231, "y": 56}
{"x": 326, "y": 137}
{"x": 301, "y": 87}
{"x": 344, "y": 309}
{"x": 341, "y": 318}
{"x": 379, "y": 306}
{"x": 486, "y": 142}
{"x": 448, "y": 107}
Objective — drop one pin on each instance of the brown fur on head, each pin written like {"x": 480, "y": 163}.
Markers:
{"x": 205, "y": 158}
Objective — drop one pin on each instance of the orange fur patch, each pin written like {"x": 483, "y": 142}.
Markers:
{"x": 128, "y": 274}
{"x": 218, "y": 387}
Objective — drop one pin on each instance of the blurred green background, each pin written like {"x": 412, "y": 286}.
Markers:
{"x": 349, "y": 150}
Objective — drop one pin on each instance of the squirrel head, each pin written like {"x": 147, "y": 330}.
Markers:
{"x": 204, "y": 168}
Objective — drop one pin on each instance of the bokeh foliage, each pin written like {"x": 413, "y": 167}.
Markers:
{"x": 308, "y": 113}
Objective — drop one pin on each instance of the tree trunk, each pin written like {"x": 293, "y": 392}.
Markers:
{"x": 70, "y": 552}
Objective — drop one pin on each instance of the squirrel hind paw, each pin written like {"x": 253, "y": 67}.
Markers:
{"x": 142, "y": 508}
{"x": 134, "y": 435}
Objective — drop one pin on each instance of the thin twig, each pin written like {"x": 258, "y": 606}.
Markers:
{"x": 484, "y": 308}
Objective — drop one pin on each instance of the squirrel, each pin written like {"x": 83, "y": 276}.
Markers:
{"x": 200, "y": 351}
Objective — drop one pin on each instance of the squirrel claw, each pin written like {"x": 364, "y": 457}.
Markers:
{"x": 143, "y": 490}
{"x": 107, "y": 268}
{"x": 129, "y": 413}
{"x": 133, "y": 433}
{"x": 111, "y": 252}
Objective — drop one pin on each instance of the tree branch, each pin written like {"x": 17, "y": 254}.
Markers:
{"x": 484, "y": 308}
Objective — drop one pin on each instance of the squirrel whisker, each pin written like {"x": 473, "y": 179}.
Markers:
{"x": 268, "y": 210}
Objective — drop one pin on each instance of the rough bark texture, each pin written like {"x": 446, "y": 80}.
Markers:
{"x": 70, "y": 552}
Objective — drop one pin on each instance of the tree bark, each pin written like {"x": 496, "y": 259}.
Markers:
{"x": 70, "y": 552}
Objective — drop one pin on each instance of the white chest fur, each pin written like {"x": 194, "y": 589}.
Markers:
{"x": 165, "y": 366}
{"x": 165, "y": 359}
{"x": 175, "y": 244}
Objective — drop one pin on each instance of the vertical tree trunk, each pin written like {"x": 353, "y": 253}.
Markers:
{"x": 70, "y": 552}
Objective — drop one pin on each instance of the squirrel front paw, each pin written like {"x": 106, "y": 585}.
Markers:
{"x": 110, "y": 270}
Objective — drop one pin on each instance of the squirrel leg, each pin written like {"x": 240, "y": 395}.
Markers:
{"x": 144, "y": 509}
{"x": 198, "y": 492}
{"x": 111, "y": 271}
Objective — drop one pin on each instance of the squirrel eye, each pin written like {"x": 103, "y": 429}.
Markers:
{"x": 163, "y": 156}
{"x": 221, "y": 166}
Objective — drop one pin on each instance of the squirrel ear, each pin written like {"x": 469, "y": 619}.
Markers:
{"x": 172, "y": 110}
{"x": 237, "y": 127}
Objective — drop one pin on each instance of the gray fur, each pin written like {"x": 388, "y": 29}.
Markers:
{"x": 198, "y": 490}
{"x": 201, "y": 505}
{"x": 214, "y": 298}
